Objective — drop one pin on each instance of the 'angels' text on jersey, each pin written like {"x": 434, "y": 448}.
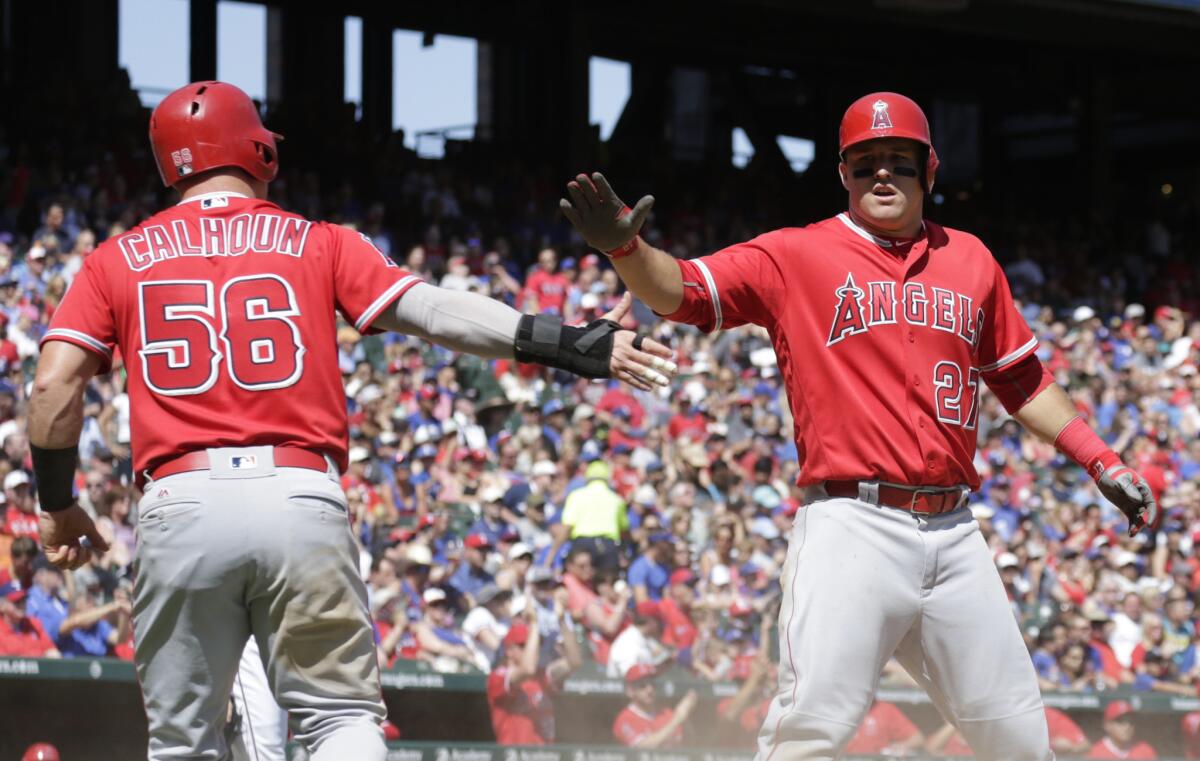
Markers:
{"x": 859, "y": 309}
{"x": 259, "y": 233}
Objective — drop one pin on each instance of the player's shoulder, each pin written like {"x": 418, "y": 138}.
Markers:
{"x": 953, "y": 239}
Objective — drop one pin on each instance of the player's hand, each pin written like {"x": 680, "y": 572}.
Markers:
{"x": 639, "y": 361}
{"x": 602, "y": 219}
{"x": 61, "y": 532}
{"x": 1122, "y": 486}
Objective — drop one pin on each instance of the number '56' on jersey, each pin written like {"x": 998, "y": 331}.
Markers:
{"x": 223, "y": 310}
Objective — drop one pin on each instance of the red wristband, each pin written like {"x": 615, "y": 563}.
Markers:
{"x": 1079, "y": 442}
{"x": 629, "y": 247}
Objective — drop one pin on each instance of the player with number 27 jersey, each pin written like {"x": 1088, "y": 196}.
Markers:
{"x": 871, "y": 315}
{"x": 223, "y": 307}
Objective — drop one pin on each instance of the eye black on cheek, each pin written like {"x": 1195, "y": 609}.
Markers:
{"x": 862, "y": 173}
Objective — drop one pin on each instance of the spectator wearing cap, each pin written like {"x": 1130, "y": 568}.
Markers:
{"x": 46, "y": 602}
{"x": 441, "y": 642}
{"x": 546, "y": 594}
{"x": 643, "y": 723}
{"x": 1158, "y": 673}
{"x": 520, "y": 687}
{"x": 1119, "y": 739}
{"x": 20, "y": 516}
{"x": 596, "y": 517}
{"x": 472, "y": 572}
{"x": 493, "y": 523}
{"x": 675, "y": 610}
{"x": 487, "y": 623}
{"x": 640, "y": 643}
{"x": 417, "y": 564}
{"x": 650, "y": 572}
{"x": 607, "y": 614}
{"x": 21, "y": 634}
{"x": 886, "y": 731}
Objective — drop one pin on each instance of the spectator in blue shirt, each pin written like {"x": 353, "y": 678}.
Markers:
{"x": 87, "y": 631}
{"x": 471, "y": 574}
{"x": 493, "y": 523}
{"x": 648, "y": 575}
{"x": 45, "y": 602}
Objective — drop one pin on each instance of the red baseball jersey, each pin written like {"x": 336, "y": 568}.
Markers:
{"x": 1061, "y": 727}
{"x": 224, "y": 307}
{"x": 882, "y": 343}
{"x": 1190, "y": 724}
{"x": 1106, "y": 748}
{"x": 632, "y": 724}
{"x": 883, "y": 726}
{"x": 522, "y": 714}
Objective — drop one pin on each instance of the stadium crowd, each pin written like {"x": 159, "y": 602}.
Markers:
{"x": 516, "y": 520}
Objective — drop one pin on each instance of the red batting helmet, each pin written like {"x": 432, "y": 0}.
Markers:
{"x": 41, "y": 752}
{"x": 887, "y": 114}
{"x": 206, "y": 125}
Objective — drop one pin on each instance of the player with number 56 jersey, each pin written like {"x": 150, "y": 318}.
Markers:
{"x": 224, "y": 309}
{"x": 214, "y": 336}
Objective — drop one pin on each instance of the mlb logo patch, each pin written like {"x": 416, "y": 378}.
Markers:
{"x": 243, "y": 462}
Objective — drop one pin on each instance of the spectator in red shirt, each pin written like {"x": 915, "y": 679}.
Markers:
{"x": 545, "y": 289}
{"x": 885, "y": 730}
{"x": 642, "y": 723}
{"x": 675, "y": 610}
{"x": 1119, "y": 740}
{"x": 578, "y": 581}
{"x": 20, "y": 519}
{"x": 607, "y": 614}
{"x": 518, "y": 692}
{"x": 22, "y": 635}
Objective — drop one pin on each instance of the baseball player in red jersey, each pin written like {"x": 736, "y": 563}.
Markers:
{"x": 885, "y": 325}
{"x": 224, "y": 309}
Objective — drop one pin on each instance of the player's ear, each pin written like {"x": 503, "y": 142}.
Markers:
{"x": 843, "y": 170}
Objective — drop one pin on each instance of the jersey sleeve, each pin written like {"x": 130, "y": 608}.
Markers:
{"x": 1004, "y": 337}
{"x": 366, "y": 281}
{"x": 85, "y": 317}
{"x": 734, "y": 286}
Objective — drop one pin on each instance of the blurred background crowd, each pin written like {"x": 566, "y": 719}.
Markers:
{"x": 517, "y": 519}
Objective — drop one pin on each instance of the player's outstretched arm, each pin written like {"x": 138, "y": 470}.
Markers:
{"x": 1052, "y": 417}
{"x": 476, "y": 324}
{"x": 609, "y": 226}
{"x": 55, "y": 421}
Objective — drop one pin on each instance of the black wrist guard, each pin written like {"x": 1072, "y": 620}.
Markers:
{"x": 54, "y": 475}
{"x": 543, "y": 339}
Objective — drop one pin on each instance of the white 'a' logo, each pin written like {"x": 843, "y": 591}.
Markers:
{"x": 881, "y": 119}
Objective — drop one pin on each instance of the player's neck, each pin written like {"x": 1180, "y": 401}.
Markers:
{"x": 222, "y": 182}
{"x": 909, "y": 231}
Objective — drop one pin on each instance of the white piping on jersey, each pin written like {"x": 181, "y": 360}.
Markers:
{"x": 370, "y": 313}
{"x": 214, "y": 194}
{"x": 95, "y": 343}
{"x": 1029, "y": 346}
{"x": 715, "y": 297}
{"x": 882, "y": 242}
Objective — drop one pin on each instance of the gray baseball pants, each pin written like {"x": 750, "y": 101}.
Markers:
{"x": 863, "y": 583}
{"x": 247, "y": 549}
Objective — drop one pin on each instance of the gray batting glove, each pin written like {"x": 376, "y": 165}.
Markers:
{"x": 1122, "y": 486}
{"x": 603, "y": 220}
